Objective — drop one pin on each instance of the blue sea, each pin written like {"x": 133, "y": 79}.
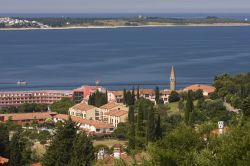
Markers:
{"x": 121, "y": 57}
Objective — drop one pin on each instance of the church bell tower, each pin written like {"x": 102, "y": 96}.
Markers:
{"x": 172, "y": 79}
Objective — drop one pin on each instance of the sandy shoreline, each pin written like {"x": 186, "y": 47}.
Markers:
{"x": 140, "y": 26}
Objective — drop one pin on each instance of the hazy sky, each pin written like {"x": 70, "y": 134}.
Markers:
{"x": 123, "y": 6}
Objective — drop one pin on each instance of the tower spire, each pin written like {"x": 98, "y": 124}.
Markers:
{"x": 172, "y": 79}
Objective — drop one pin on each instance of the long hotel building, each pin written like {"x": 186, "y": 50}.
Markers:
{"x": 16, "y": 98}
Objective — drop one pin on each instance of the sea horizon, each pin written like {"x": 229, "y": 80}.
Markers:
{"x": 234, "y": 15}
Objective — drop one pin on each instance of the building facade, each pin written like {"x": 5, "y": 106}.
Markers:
{"x": 86, "y": 111}
{"x": 82, "y": 93}
{"x": 90, "y": 126}
{"x": 16, "y": 98}
{"x": 105, "y": 109}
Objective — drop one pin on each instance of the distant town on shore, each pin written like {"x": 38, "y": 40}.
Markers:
{"x": 9, "y": 23}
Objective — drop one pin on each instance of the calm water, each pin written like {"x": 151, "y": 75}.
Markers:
{"x": 68, "y": 58}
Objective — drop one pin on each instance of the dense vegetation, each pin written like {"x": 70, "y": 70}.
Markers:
{"x": 233, "y": 89}
{"x": 25, "y": 108}
{"x": 188, "y": 136}
{"x": 69, "y": 148}
{"x": 60, "y": 107}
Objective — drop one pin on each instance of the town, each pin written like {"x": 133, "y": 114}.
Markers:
{"x": 106, "y": 116}
{"x": 7, "y": 22}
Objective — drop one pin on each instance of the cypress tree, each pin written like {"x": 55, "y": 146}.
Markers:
{"x": 133, "y": 96}
{"x": 4, "y": 140}
{"x": 139, "y": 129}
{"x": 150, "y": 125}
{"x": 106, "y": 97}
{"x": 138, "y": 92}
{"x": 157, "y": 95}
{"x": 158, "y": 130}
{"x": 82, "y": 152}
{"x": 129, "y": 99}
{"x": 131, "y": 115}
{"x": 58, "y": 153}
{"x": 131, "y": 140}
{"x": 189, "y": 107}
{"x": 98, "y": 99}
{"x": 124, "y": 96}
{"x": 16, "y": 147}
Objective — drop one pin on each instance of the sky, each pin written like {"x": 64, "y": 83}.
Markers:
{"x": 124, "y": 6}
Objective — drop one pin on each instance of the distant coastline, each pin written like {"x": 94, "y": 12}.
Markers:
{"x": 139, "y": 26}
{"x": 7, "y": 23}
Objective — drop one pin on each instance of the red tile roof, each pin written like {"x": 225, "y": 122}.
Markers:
{"x": 118, "y": 93}
{"x": 109, "y": 105}
{"x": 117, "y": 113}
{"x": 3, "y": 160}
{"x": 205, "y": 88}
{"x": 96, "y": 124}
{"x": 165, "y": 92}
{"x": 28, "y": 116}
{"x": 82, "y": 107}
{"x": 147, "y": 91}
{"x": 36, "y": 164}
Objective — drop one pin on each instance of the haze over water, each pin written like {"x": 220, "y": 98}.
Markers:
{"x": 64, "y": 59}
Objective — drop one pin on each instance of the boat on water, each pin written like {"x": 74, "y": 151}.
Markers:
{"x": 21, "y": 83}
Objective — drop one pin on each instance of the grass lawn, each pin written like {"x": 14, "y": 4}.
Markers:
{"x": 173, "y": 108}
{"x": 109, "y": 142}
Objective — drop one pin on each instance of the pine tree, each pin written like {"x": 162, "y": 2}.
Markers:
{"x": 58, "y": 153}
{"x": 150, "y": 125}
{"x": 82, "y": 152}
{"x": 158, "y": 130}
{"x": 16, "y": 147}
{"x": 157, "y": 95}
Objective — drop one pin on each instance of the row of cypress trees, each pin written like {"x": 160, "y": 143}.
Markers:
{"x": 144, "y": 120}
{"x": 98, "y": 99}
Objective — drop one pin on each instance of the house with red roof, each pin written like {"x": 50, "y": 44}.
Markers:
{"x": 117, "y": 116}
{"x": 86, "y": 111}
{"x": 207, "y": 89}
{"x": 105, "y": 109}
{"x": 90, "y": 126}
